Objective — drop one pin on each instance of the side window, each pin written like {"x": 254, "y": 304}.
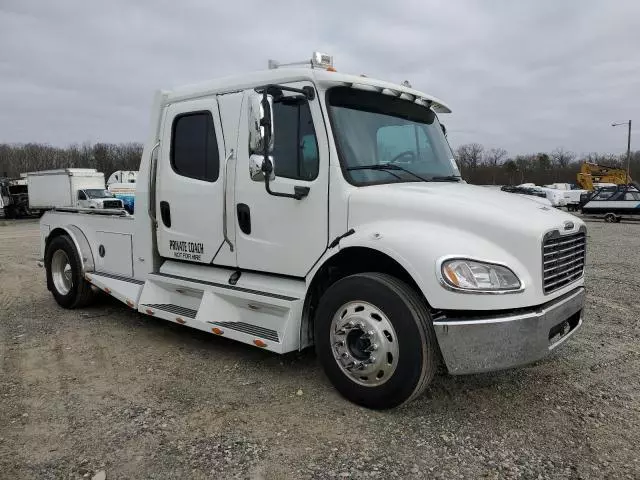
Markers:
{"x": 295, "y": 147}
{"x": 194, "y": 148}
{"x": 603, "y": 195}
{"x": 81, "y": 195}
{"x": 632, "y": 196}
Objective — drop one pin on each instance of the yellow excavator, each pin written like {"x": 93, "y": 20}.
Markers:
{"x": 591, "y": 173}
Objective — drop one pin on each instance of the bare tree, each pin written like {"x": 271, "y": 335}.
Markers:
{"x": 562, "y": 158}
{"x": 469, "y": 156}
{"x": 493, "y": 159}
{"x": 511, "y": 168}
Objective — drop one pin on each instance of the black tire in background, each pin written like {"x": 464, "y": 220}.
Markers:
{"x": 406, "y": 311}
{"x": 80, "y": 294}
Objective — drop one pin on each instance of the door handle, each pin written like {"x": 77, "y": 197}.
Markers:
{"x": 165, "y": 214}
{"x": 244, "y": 218}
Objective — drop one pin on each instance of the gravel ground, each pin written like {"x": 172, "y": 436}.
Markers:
{"x": 107, "y": 390}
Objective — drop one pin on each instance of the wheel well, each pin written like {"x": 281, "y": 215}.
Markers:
{"x": 56, "y": 232}
{"x": 80, "y": 243}
{"x": 348, "y": 261}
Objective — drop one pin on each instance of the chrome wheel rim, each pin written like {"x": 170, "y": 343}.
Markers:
{"x": 364, "y": 343}
{"x": 61, "y": 272}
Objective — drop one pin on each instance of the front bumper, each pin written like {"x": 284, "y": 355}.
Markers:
{"x": 474, "y": 345}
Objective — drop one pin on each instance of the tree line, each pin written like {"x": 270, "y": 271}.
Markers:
{"x": 477, "y": 164}
{"x": 496, "y": 167}
{"x": 104, "y": 157}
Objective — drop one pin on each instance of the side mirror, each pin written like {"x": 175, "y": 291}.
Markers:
{"x": 260, "y": 124}
{"x": 256, "y": 171}
{"x": 444, "y": 129}
{"x": 260, "y": 136}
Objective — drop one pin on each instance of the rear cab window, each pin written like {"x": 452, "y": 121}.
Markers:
{"x": 194, "y": 147}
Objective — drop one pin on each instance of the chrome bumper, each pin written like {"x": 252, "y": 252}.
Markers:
{"x": 484, "y": 344}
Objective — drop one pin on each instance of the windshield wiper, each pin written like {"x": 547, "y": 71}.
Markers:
{"x": 385, "y": 167}
{"x": 445, "y": 178}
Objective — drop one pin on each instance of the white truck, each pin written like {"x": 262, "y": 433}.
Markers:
{"x": 300, "y": 206}
{"x": 570, "y": 194}
{"x": 70, "y": 187}
{"x": 122, "y": 184}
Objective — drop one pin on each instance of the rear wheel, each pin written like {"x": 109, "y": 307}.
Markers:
{"x": 610, "y": 218}
{"x": 375, "y": 340}
{"x": 64, "y": 274}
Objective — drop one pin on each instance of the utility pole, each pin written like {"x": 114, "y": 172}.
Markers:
{"x": 628, "y": 146}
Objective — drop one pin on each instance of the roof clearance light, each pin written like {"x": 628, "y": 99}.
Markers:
{"x": 322, "y": 60}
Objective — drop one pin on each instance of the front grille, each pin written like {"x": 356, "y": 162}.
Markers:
{"x": 563, "y": 259}
{"x": 112, "y": 204}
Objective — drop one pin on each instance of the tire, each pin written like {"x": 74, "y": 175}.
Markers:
{"x": 610, "y": 218}
{"x": 64, "y": 274}
{"x": 389, "y": 315}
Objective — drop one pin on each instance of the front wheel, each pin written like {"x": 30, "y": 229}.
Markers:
{"x": 375, "y": 340}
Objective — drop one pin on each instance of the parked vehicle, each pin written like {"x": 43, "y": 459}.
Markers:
{"x": 555, "y": 197}
{"x": 123, "y": 185}
{"x": 571, "y": 194}
{"x": 524, "y": 190}
{"x": 612, "y": 203}
{"x": 301, "y": 206}
{"x": 592, "y": 174}
{"x": 14, "y": 200}
{"x": 98, "y": 198}
{"x": 70, "y": 187}
{"x": 123, "y": 176}
{"x": 126, "y": 193}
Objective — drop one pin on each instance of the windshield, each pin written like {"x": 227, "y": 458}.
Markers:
{"x": 400, "y": 140}
{"x": 98, "y": 193}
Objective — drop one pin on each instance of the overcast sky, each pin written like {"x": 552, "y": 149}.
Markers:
{"x": 523, "y": 75}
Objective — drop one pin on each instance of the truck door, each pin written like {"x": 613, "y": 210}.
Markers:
{"x": 82, "y": 199}
{"x": 189, "y": 186}
{"x": 277, "y": 234}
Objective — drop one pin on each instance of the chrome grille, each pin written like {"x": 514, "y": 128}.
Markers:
{"x": 112, "y": 204}
{"x": 563, "y": 259}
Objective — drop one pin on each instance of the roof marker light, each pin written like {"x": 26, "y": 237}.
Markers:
{"x": 318, "y": 60}
{"x": 321, "y": 60}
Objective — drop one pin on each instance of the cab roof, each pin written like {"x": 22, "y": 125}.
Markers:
{"x": 321, "y": 77}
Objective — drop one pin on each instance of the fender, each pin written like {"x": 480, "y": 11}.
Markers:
{"x": 417, "y": 245}
{"x": 81, "y": 243}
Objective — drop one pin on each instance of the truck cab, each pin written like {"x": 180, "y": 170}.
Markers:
{"x": 300, "y": 207}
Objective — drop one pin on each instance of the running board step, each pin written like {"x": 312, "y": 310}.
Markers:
{"x": 259, "y": 309}
{"x": 176, "y": 309}
{"x": 250, "y": 329}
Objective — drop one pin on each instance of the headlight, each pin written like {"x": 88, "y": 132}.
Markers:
{"x": 471, "y": 275}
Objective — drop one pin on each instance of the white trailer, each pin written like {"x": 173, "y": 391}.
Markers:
{"x": 69, "y": 187}
{"x": 301, "y": 206}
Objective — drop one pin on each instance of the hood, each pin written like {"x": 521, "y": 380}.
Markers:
{"x": 483, "y": 211}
